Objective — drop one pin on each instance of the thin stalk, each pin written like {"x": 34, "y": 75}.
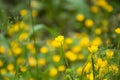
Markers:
{"x": 93, "y": 68}
{"x": 33, "y": 29}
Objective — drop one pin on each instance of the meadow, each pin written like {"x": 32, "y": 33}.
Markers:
{"x": 59, "y": 40}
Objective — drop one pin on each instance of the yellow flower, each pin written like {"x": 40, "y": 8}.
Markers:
{"x": 23, "y": 12}
{"x": 41, "y": 61}
{"x": 94, "y": 9}
{"x": 31, "y": 48}
{"x": 84, "y": 42}
{"x": 23, "y": 36}
{"x": 1, "y": 63}
{"x": 76, "y": 49}
{"x": 109, "y": 53}
{"x": 61, "y": 68}
{"x": 60, "y": 39}
{"x": 56, "y": 58}
{"x": 3, "y": 71}
{"x": 80, "y": 17}
{"x": 10, "y": 67}
{"x": 87, "y": 67}
{"x": 93, "y": 48}
{"x": 68, "y": 41}
{"x": 117, "y": 30}
{"x": 98, "y": 31}
{"x": 89, "y": 23}
{"x": 96, "y": 41}
{"x": 23, "y": 69}
{"x": 2, "y": 49}
{"x": 16, "y": 51}
{"x": 32, "y": 61}
{"x": 71, "y": 56}
{"x": 43, "y": 50}
{"x": 79, "y": 70}
{"x": 53, "y": 72}
{"x": 34, "y": 13}
{"x": 80, "y": 56}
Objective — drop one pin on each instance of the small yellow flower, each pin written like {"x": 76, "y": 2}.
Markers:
{"x": 53, "y": 72}
{"x": 2, "y": 49}
{"x": 56, "y": 58}
{"x": 71, "y": 56}
{"x": 79, "y": 70}
{"x": 34, "y": 13}
{"x": 43, "y": 50}
{"x": 61, "y": 68}
{"x": 80, "y": 17}
{"x": 1, "y": 63}
{"x": 23, "y": 69}
{"x": 32, "y": 61}
{"x": 109, "y": 53}
{"x": 60, "y": 39}
{"x": 94, "y": 9}
{"x": 68, "y": 41}
{"x": 41, "y": 61}
{"x": 117, "y": 30}
{"x": 3, "y": 71}
{"x": 89, "y": 23}
{"x": 98, "y": 31}
{"x": 23, "y": 12}
{"x": 93, "y": 48}
{"x": 23, "y": 36}
{"x": 10, "y": 67}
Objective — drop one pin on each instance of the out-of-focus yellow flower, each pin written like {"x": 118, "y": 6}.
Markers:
{"x": 87, "y": 67}
{"x": 32, "y": 61}
{"x": 71, "y": 56}
{"x": 61, "y": 68}
{"x": 117, "y": 30}
{"x": 23, "y": 36}
{"x": 68, "y": 41}
{"x": 20, "y": 60}
{"x": 34, "y": 13}
{"x": 90, "y": 76}
{"x": 1, "y": 63}
{"x": 43, "y": 50}
{"x": 80, "y": 17}
{"x": 16, "y": 51}
{"x": 114, "y": 68}
{"x": 89, "y": 23}
{"x": 101, "y": 63}
{"x": 53, "y": 72}
{"x": 2, "y": 49}
{"x": 84, "y": 42}
{"x": 3, "y": 71}
{"x": 96, "y": 41}
{"x": 98, "y": 31}
{"x": 41, "y": 61}
{"x": 34, "y": 4}
{"x": 10, "y": 67}
{"x": 55, "y": 44}
{"x": 23, "y": 69}
{"x": 80, "y": 56}
{"x": 23, "y": 12}
{"x": 76, "y": 49}
{"x": 93, "y": 48}
{"x": 94, "y": 9}
{"x": 109, "y": 53}
{"x": 31, "y": 48}
{"x": 60, "y": 39}
{"x": 79, "y": 70}
{"x": 109, "y": 8}
{"x": 56, "y": 58}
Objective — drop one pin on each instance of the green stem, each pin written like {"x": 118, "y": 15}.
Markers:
{"x": 34, "y": 36}
{"x": 93, "y": 68}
